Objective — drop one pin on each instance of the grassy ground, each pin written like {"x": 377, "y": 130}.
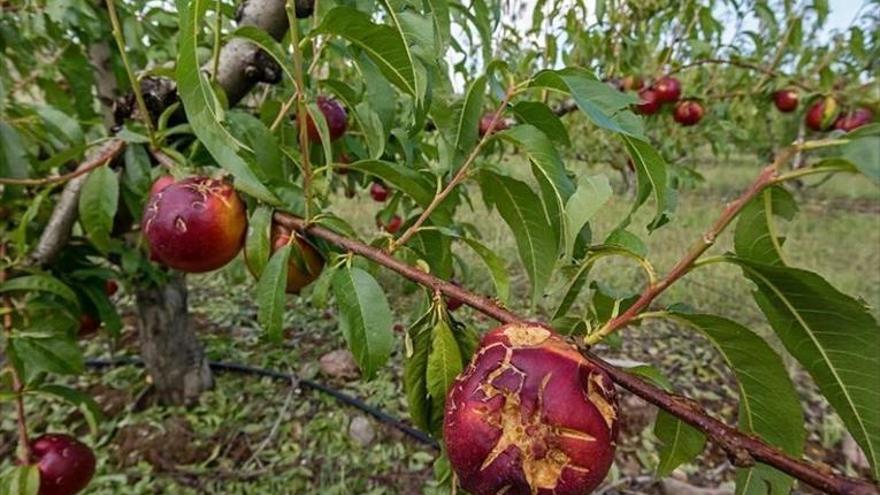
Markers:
{"x": 255, "y": 436}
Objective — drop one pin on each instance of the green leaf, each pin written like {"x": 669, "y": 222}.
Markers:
{"x": 84, "y": 402}
{"x": 271, "y": 291}
{"x": 863, "y": 150}
{"x": 415, "y": 372}
{"x": 41, "y": 283}
{"x": 468, "y": 122}
{"x": 97, "y": 206}
{"x": 833, "y": 336}
{"x": 200, "y": 104}
{"x": 21, "y": 480}
{"x": 384, "y": 45}
{"x": 267, "y": 154}
{"x": 496, "y": 267}
{"x": 402, "y": 178}
{"x": 592, "y": 193}
{"x": 257, "y": 244}
{"x": 364, "y": 318}
{"x": 371, "y": 125}
{"x": 768, "y": 406}
{"x": 603, "y": 105}
{"x": 107, "y": 313}
{"x": 542, "y": 117}
{"x": 680, "y": 443}
{"x": 13, "y": 157}
{"x": 444, "y": 362}
{"x": 755, "y": 237}
{"x": 652, "y": 178}
{"x": 54, "y": 354}
{"x": 535, "y": 239}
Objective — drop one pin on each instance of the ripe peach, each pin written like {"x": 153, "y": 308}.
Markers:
{"x": 379, "y": 192}
{"x": 649, "y": 103}
{"x": 195, "y": 225}
{"x": 111, "y": 287}
{"x": 88, "y": 325}
{"x": 66, "y": 465}
{"x": 161, "y": 183}
{"x": 853, "y": 120}
{"x": 632, "y": 83}
{"x": 786, "y": 100}
{"x": 688, "y": 113}
{"x": 530, "y": 415}
{"x": 822, "y": 114}
{"x": 306, "y": 262}
{"x": 335, "y": 116}
{"x": 393, "y": 225}
{"x": 668, "y": 89}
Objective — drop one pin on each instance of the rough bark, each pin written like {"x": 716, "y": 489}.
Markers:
{"x": 173, "y": 356}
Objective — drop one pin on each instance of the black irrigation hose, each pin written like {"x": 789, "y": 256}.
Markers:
{"x": 382, "y": 416}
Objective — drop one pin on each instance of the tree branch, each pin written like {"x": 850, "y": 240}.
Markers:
{"x": 57, "y": 230}
{"x": 24, "y": 444}
{"x": 114, "y": 147}
{"x": 742, "y": 447}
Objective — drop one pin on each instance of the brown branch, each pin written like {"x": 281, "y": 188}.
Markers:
{"x": 684, "y": 265}
{"x": 24, "y": 444}
{"x": 57, "y": 230}
{"x": 459, "y": 176}
{"x": 742, "y": 447}
{"x": 106, "y": 155}
{"x": 745, "y": 65}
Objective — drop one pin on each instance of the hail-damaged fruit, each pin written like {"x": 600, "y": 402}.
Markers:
{"x": 66, "y": 465}
{"x": 850, "y": 121}
{"x": 530, "y": 416}
{"x": 668, "y": 89}
{"x": 335, "y": 117}
{"x": 195, "y": 225}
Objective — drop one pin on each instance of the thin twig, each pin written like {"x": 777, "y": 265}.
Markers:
{"x": 132, "y": 79}
{"x": 301, "y": 114}
{"x": 744, "y": 65}
{"x": 459, "y": 176}
{"x": 24, "y": 444}
{"x": 107, "y": 155}
{"x": 274, "y": 430}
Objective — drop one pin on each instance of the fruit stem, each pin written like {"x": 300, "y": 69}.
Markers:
{"x": 300, "y": 105}
{"x": 460, "y": 176}
{"x": 24, "y": 444}
{"x": 132, "y": 79}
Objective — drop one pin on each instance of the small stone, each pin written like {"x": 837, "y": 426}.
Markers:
{"x": 339, "y": 364}
{"x": 361, "y": 430}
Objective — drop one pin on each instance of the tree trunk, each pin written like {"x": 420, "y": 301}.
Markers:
{"x": 172, "y": 354}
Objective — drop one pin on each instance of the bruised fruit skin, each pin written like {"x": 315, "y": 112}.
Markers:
{"x": 335, "y": 116}
{"x": 853, "y": 120}
{"x": 821, "y": 114}
{"x": 688, "y": 113}
{"x": 668, "y": 89}
{"x": 66, "y": 465}
{"x": 195, "y": 225}
{"x": 649, "y": 103}
{"x": 486, "y": 122}
{"x": 530, "y": 416}
{"x": 378, "y": 192}
{"x": 786, "y": 100}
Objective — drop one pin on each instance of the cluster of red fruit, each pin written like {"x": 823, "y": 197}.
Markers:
{"x": 666, "y": 89}
{"x": 825, "y": 113}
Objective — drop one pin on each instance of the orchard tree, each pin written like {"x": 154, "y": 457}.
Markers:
{"x": 202, "y": 130}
